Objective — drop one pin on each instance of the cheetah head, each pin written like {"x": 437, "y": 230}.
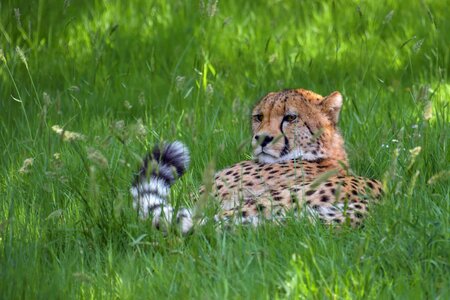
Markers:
{"x": 297, "y": 124}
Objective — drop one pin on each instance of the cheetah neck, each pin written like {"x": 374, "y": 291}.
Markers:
{"x": 338, "y": 162}
{"x": 299, "y": 154}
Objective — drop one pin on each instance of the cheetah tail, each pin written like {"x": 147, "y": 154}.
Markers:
{"x": 160, "y": 169}
{"x": 165, "y": 163}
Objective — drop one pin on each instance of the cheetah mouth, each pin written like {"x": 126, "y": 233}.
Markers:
{"x": 265, "y": 156}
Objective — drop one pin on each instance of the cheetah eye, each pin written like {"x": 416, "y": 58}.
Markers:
{"x": 290, "y": 118}
{"x": 258, "y": 118}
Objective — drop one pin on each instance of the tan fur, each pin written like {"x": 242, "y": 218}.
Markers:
{"x": 315, "y": 182}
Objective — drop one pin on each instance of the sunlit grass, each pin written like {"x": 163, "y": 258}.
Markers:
{"x": 87, "y": 87}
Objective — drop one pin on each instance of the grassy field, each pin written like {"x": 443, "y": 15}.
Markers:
{"x": 86, "y": 87}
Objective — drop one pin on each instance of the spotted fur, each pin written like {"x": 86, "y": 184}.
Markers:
{"x": 300, "y": 165}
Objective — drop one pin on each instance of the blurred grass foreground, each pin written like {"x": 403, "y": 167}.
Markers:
{"x": 86, "y": 87}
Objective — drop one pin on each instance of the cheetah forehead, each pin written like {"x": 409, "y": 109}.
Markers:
{"x": 310, "y": 96}
{"x": 279, "y": 103}
{"x": 283, "y": 100}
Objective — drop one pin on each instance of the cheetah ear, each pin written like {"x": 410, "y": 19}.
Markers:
{"x": 331, "y": 106}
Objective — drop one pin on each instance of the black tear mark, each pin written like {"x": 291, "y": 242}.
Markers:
{"x": 285, "y": 150}
{"x": 309, "y": 129}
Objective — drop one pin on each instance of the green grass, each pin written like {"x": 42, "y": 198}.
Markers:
{"x": 127, "y": 74}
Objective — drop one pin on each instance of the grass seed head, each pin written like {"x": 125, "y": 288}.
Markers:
{"x": 428, "y": 111}
{"x": 141, "y": 99}
{"x": 22, "y": 56}
{"x": 180, "y": 82}
{"x": 443, "y": 175}
{"x": 26, "y": 166}
{"x": 97, "y": 158}
{"x": 127, "y": 105}
{"x": 415, "y": 151}
{"x": 68, "y": 136}
{"x": 140, "y": 129}
{"x": 17, "y": 16}
{"x": 47, "y": 99}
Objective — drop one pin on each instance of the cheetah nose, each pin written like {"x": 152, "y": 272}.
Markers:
{"x": 263, "y": 139}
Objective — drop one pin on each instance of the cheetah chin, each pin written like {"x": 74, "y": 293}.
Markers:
{"x": 265, "y": 158}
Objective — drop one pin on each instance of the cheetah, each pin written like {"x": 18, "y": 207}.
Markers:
{"x": 300, "y": 166}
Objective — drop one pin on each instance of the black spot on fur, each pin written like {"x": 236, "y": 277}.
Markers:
{"x": 310, "y": 192}
{"x": 152, "y": 208}
{"x": 151, "y": 192}
{"x": 317, "y": 160}
{"x": 250, "y": 202}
